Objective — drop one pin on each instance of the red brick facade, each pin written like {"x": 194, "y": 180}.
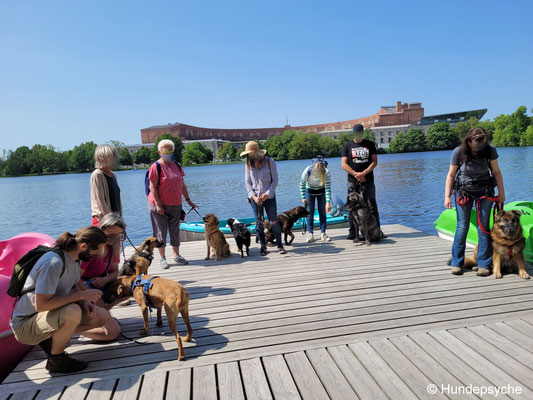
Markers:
{"x": 401, "y": 114}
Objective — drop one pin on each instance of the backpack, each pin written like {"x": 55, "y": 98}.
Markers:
{"x": 147, "y": 180}
{"x": 25, "y": 265}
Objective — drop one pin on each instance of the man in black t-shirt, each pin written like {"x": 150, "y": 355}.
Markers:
{"x": 359, "y": 158}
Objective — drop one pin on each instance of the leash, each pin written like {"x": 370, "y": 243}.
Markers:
{"x": 497, "y": 207}
{"x": 196, "y": 211}
{"x": 304, "y": 219}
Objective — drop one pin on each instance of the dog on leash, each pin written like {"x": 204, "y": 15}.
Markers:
{"x": 214, "y": 238}
{"x": 508, "y": 245}
{"x": 286, "y": 221}
{"x": 363, "y": 218}
{"x": 241, "y": 234}
{"x": 141, "y": 259}
{"x": 161, "y": 293}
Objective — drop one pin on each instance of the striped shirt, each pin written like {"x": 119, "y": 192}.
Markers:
{"x": 307, "y": 182}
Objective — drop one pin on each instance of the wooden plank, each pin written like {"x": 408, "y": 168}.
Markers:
{"x": 78, "y": 391}
{"x": 512, "y": 334}
{"x": 23, "y": 395}
{"x": 357, "y": 376}
{"x": 493, "y": 373}
{"x": 254, "y": 380}
{"x": 50, "y": 393}
{"x": 465, "y": 372}
{"x": 279, "y": 376}
{"x": 436, "y": 373}
{"x": 503, "y": 343}
{"x": 179, "y": 384}
{"x": 304, "y": 375}
{"x": 229, "y": 381}
{"x": 405, "y": 369}
{"x": 521, "y": 326}
{"x": 386, "y": 378}
{"x": 102, "y": 390}
{"x": 204, "y": 384}
{"x": 153, "y": 386}
{"x": 492, "y": 353}
{"x": 128, "y": 388}
{"x": 334, "y": 382}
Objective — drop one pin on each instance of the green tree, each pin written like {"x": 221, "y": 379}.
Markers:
{"x": 196, "y": 153}
{"x": 463, "y": 127}
{"x": 15, "y": 163}
{"x": 125, "y": 156}
{"x": 142, "y": 155}
{"x": 304, "y": 145}
{"x": 528, "y": 137}
{"x": 178, "y": 147}
{"x": 328, "y": 147}
{"x": 398, "y": 144}
{"x": 369, "y": 135}
{"x": 440, "y": 137}
{"x": 82, "y": 157}
{"x": 227, "y": 152}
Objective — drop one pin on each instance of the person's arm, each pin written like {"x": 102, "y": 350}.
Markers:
{"x": 348, "y": 169}
{"x": 274, "y": 172}
{"x": 248, "y": 182}
{"x": 372, "y": 165}
{"x": 328, "y": 191}
{"x": 497, "y": 174}
{"x": 303, "y": 182}
{"x": 47, "y": 302}
{"x": 185, "y": 193}
{"x": 97, "y": 183}
{"x": 450, "y": 178}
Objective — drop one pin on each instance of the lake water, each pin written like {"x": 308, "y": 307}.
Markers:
{"x": 410, "y": 191}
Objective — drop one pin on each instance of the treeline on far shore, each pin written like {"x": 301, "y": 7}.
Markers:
{"x": 511, "y": 130}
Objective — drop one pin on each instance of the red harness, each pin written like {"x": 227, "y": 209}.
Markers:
{"x": 497, "y": 207}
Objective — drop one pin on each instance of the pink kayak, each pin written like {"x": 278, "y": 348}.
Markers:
{"x": 11, "y": 351}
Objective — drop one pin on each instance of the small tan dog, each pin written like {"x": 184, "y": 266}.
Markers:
{"x": 139, "y": 262}
{"x": 215, "y": 238}
{"x": 162, "y": 293}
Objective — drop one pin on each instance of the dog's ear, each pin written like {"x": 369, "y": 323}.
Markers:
{"x": 120, "y": 290}
{"x": 517, "y": 212}
{"x": 499, "y": 216}
{"x": 144, "y": 244}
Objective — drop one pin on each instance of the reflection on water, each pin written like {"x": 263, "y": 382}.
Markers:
{"x": 410, "y": 190}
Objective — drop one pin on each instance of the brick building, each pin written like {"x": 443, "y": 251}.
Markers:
{"x": 401, "y": 114}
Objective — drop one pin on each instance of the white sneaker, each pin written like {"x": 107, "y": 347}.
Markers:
{"x": 180, "y": 260}
{"x": 325, "y": 238}
{"x": 163, "y": 263}
{"x": 310, "y": 238}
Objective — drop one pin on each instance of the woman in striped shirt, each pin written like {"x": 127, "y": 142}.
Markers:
{"x": 315, "y": 183}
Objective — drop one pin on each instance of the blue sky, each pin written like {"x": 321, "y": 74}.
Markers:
{"x": 72, "y": 71}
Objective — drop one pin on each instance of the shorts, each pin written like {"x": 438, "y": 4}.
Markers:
{"x": 42, "y": 325}
{"x": 167, "y": 222}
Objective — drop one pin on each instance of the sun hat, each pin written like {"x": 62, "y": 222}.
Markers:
{"x": 253, "y": 147}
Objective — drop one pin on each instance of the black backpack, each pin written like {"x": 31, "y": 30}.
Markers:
{"x": 25, "y": 265}
{"x": 147, "y": 180}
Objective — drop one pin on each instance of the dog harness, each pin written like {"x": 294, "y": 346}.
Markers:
{"x": 146, "y": 284}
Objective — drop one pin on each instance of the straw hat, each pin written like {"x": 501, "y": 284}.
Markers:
{"x": 253, "y": 147}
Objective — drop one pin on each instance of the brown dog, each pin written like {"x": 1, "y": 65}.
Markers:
{"x": 163, "y": 293}
{"x": 141, "y": 259}
{"x": 508, "y": 244}
{"x": 214, "y": 238}
{"x": 286, "y": 221}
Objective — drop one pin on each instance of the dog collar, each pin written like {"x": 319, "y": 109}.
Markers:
{"x": 146, "y": 255}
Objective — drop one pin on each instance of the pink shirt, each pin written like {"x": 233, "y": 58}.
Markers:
{"x": 97, "y": 266}
{"x": 170, "y": 184}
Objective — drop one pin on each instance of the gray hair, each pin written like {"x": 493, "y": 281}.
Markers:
{"x": 112, "y": 219}
{"x": 105, "y": 156}
{"x": 165, "y": 143}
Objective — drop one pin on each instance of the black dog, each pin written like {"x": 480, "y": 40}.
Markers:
{"x": 241, "y": 234}
{"x": 286, "y": 221}
{"x": 362, "y": 216}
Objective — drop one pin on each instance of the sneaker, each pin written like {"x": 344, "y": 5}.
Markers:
{"x": 282, "y": 250}
{"x": 46, "y": 345}
{"x": 181, "y": 260}
{"x": 325, "y": 238}
{"x": 483, "y": 272}
{"x": 163, "y": 263}
{"x": 351, "y": 236}
{"x": 263, "y": 251}
{"x": 456, "y": 270}
{"x": 65, "y": 364}
{"x": 310, "y": 238}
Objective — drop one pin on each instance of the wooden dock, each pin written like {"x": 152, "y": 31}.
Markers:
{"x": 326, "y": 320}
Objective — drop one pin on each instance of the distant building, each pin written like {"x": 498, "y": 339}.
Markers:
{"x": 386, "y": 124}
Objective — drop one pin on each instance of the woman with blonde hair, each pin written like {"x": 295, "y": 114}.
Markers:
{"x": 105, "y": 192}
{"x": 315, "y": 184}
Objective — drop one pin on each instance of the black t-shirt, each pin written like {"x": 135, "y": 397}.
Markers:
{"x": 114, "y": 193}
{"x": 360, "y": 157}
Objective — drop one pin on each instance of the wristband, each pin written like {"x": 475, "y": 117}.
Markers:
{"x": 187, "y": 199}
